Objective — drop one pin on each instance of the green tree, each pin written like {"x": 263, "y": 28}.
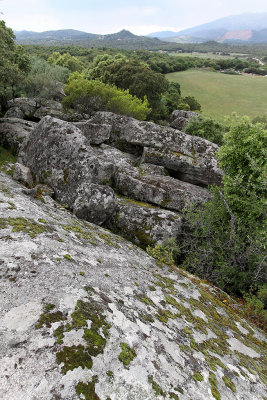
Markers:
{"x": 14, "y": 64}
{"x": 88, "y": 96}
{"x": 43, "y": 80}
{"x": 226, "y": 239}
{"x": 206, "y": 128}
{"x": 243, "y": 158}
{"x": 67, "y": 61}
{"x": 132, "y": 75}
{"x": 192, "y": 102}
{"x": 172, "y": 97}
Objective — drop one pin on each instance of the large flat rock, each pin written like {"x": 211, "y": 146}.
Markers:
{"x": 86, "y": 314}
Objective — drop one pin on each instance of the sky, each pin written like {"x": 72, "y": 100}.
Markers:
{"x": 109, "y": 16}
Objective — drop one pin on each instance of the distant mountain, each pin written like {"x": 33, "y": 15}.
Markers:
{"x": 63, "y": 34}
{"x": 248, "y": 28}
{"x": 162, "y": 34}
{"x": 122, "y": 39}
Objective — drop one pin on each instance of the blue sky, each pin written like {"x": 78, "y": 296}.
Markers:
{"x": 103, "y": 16}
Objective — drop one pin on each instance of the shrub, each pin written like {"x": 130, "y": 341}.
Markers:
{"x": 88, "y": 96}
{"x": 225, "y": 240}
{"x": 206, "y": 128}
{"x": 256, "y": 304}
{"x": 43, "y": 79}
{"x": 165, "y": 252}
{"x": 192, "y": 102}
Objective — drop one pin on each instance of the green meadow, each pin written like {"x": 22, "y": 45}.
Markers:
{"x": 209, "y": 55}
{"x": 221, "y": 94}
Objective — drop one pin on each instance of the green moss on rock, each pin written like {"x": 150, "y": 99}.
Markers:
{"x": 74, "y": 357}
{"x": 29, "y": 226}
{"x": 86, "y": 391}
{"x": 127, "y": 354}
{"x": 48, "y": 317}
{"x": 95, "y": 337}
{"x": 214, "y": 386}
{"x": 197, "y": 377}
{"x": 173, "y": 396}
{"x": 229, "y": 383}
{"x": 158, "y": 390}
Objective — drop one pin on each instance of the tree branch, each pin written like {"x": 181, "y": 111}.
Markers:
{"x": 232, "y": 216}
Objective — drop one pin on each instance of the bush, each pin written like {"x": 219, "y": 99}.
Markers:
{"x": 165, "y": 252}
{"x": 172, "y": 98}
{"x": 88, "y": 96}
{"x": 43, "y": 79}
{"x": 218, "y": 247}
{"x": 225, "y": 240}
{"x": 256, "y": 304}
{"x": 261, "y": 119}
{"x": 206, "y": 128}
{"x": 192, "y": 102}
{"x": 67, "y": 61}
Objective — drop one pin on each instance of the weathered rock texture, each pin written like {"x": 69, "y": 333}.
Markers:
{"x": 95, "y": 133}
{"x": 58, "y": 154}
{"x": 35, "y": 109}
{"x": 90, "y": 164}
{"x": 87, "y": 315}
{"x": 180, "y": 118}
{"x": 186, "y": 157}
{"x": 13, "y": 132}
{"x": 144, "y": 224}
{"x": 23, "y": 174}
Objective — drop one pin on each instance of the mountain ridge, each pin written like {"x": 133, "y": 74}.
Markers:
{"x": 123, "y": 38}
{"x": 217, "y": 29}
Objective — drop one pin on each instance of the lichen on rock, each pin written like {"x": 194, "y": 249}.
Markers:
{"x": 162, "y": 332}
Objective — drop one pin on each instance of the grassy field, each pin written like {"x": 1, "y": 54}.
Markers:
{"x": 210, "y": 55}
{"x": 220, "y": 94}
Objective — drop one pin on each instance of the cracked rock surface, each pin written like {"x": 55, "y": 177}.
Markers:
{"x": 87, "y": 315}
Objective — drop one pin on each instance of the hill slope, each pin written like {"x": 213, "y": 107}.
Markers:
{"x": 122, "y": 39}
{"x": 249, "y": 27}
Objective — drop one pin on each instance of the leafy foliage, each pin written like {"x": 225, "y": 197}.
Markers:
{"x": 43, "y": 79}
{"x": 131, "y": 75}
{"x": 165, "y": 252}
{"x": 14, "y": 64}
{"x": 172, "y": 97}
{"x": 206, "y": 128}
{"x": 67, "y": 61}
{"x": 256, "y": 303}
{"x": 243, "y": 158}
{"x": 261, "y": 119}
{"x": 224, "y": 242}
{"x": 88, "y": 96}
{"x": 192, "y": 102}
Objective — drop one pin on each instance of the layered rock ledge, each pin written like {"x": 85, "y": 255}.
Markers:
{"x": 91, "y": 164}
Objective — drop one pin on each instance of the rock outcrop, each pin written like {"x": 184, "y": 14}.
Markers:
{"x": 86, "y": 178}
{"x": 185, "y": 157}
{"x": 36, "y": 109}
{"x": 180, "y": 118}
{"x": 58, "y": 154}
{"x": 13, "y": 132}
{"x": 90, "y": 165}
{"x": 87, "y": 315}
